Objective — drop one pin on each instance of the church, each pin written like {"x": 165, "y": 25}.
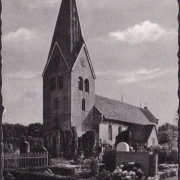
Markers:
{"x": 69, "y": 97}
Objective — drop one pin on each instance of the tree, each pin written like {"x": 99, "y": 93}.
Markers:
{"x": 122, "y": 137}
{"x": 168, "y": 134}
{"x": 35, "y": 130}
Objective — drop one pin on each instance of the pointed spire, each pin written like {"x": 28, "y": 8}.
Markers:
{"x": 68, "y": 32}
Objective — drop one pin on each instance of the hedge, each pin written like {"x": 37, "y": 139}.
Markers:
{"x": 20, "y": 175}
{"x": 74, "y": 146}
{"x": 88, "y": 143}
{"x": 63, "y": 171}
{"x": 109, "y": 159}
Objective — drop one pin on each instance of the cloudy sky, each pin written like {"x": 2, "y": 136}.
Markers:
{"x": 132, "y": 45}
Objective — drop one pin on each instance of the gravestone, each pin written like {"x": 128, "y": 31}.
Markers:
{"x": 24, "y": 147}
{"x": 123, "y": 147}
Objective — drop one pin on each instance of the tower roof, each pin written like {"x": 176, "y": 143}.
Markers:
{"x": 68, "y": 32}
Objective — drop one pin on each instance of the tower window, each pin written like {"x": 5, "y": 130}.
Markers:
{"x": 80, "y": 83}
{"x": 60, "y": 82}
{"x": 83, "y": 105}
{"x": 53, "y": 83}
{"x": 86, "y": 83}
{"x": 119, "y": 129}
{"x": 56, "y": 104}
{"x": 110, "y": 132}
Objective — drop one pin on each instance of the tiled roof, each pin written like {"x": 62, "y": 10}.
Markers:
{"x": 149, "y": 115}
{"x": 120, "y": 111}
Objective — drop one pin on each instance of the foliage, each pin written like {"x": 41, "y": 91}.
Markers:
{"x": 63, "y": 171}
{"x": 162, "y": 167}
{"x": 35, "y": 130}
{"x": 21, "y": 175}
{"x": 122, "y": 137}
{"x": 94, "y": 166}
{"x": 103, "y": 175}
{"x": 57, "y": 144}
{"x": 74, "y": 146}
{"x": 68, "y": 143}
{"x": 12, "y": 133}
{"x": 79, "y": 150}
{"x": 88, "y": 143}
{"x": 127, "y": 172}
{"x": 107, "y": 145}
{"x": 168, "y": 134}
{"x": 164, "y": 175}
{"x": 173, "y": 172}
{"x": 167, "y": 171}
{"x": 109, "y": 159}
{"x": 173, "y": 155}
{"x": 13, "y": 130}
{"x": 166, "y": 154}
{"x": 8, "y": 176}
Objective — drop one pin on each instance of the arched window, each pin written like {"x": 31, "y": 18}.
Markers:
{"x": 80, "y": 83}
{"x": 56, "y": 104}
{"x": 110, "y": 132}
{"x": 86, "y": 83}
{"x": 60, "y": 82}
{"x": 119, "y": 129}
{"x": 53, "y": 83}
{"x": 83, "y": 105}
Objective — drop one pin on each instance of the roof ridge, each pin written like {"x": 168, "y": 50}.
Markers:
{"x": 117, "y": 101}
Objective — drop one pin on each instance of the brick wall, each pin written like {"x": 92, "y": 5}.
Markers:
{"x": 83, "y": 120}
{"x": 148, "y": 162}
{"x": 64, "y": 95}
{"x": 140, "y": 157}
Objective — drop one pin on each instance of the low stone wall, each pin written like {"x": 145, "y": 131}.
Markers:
{"x": 144, "y": 158}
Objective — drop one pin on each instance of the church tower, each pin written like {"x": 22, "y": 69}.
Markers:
{"x": 68, "y": 77}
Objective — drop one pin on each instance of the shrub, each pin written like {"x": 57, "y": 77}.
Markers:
{"x": 21, "y": 175}
{"x": 74, "y": 146}
{"x": 109, "y": 159}
{"x": 94, "y": 166}
{"x": 173, "y": 156}
{"x": 79, "y": 150}
{"x": 122, "y": 137}
{"x": 8, "y": 176}
{"x": 88, "y": 143}
{"x": 164, "y": 175}
{"x": 68, "y": 143}
{"x": 173, "y": 172}
{"x": 103, "y": 175}
{"x": 57, "y": 145}
{"x": 63, "y": 142}
{"x": 63, "y": 171}
{"x": 162, "y": 167}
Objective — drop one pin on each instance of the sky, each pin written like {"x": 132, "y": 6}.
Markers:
{"x": 132, "y": 44}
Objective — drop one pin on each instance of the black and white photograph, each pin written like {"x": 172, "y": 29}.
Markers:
{"x": 90, "y": 90}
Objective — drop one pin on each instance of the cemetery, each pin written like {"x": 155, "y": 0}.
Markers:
{"x": 78, "y": 158}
